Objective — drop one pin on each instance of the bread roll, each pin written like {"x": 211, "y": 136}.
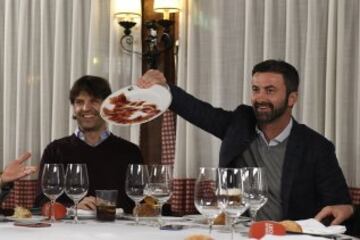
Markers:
{"x": 220, "y": 219}
{"x": 291, "y": 226}
{"x": 21, "y": 212}
{"x": 199, "y": 237}
{"x": 147, "y": 208}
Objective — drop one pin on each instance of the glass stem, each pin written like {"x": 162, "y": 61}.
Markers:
{"x": 52, "y": 211}
{"x": 253, "y": 215}
{"x": 233, "y": 228}
{"x": 211, "y": 222}
{"x": 137, "y": 206}
{"x": 160, "y": 215}
{"x": 76, "y": 213}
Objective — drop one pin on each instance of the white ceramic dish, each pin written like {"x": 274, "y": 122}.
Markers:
{"x": 158, "y": 95}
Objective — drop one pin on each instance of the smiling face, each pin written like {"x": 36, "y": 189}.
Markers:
{"x": 87, "y": 112}
{"x": 269, "y": 97}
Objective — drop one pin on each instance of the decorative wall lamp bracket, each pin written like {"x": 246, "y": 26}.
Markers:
{"x": 155, "y": 44}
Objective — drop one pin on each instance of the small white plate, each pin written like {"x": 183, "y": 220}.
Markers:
{"x": 157, "y": 95}
{"x": 33, "y": 219}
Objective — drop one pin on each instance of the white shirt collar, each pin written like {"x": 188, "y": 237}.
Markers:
{"x": 279, "y": 138}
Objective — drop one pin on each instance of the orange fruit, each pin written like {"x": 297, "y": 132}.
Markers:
{"x": 59, "y": 209}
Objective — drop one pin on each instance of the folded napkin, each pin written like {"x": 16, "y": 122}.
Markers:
{"x": 293, "y": 237}
{"x": 313, "y": 226}
{"x": 90, "y": 213}
{"x": 81, "y": 212}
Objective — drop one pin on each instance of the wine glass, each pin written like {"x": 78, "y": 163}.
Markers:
{"x": 206, "y": 194}
{"x": 255, "y": 187}
{"x": 137, "y": 176}
{"x": 159, "y": 185}
{"x": 52, "y": 184}
{"x": 231, "y": 185}
{"x": 76, "y": 184}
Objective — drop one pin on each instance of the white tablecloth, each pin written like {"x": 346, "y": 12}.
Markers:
{"x": 92, "y": 230}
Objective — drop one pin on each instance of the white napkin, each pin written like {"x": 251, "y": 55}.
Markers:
{"x": 315, "y": 227}
{"x": 81, "y": 212}
{"x": 90, "y": 213}
{"x": 293, "y": 237}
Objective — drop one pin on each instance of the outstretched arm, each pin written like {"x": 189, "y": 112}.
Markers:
{"x": 200, "y": 113}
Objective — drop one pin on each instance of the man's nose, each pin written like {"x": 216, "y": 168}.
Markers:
{"x": 259, "y": 96}
{"x": 87, "y": 106}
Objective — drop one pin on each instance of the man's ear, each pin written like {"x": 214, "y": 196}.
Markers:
{"x": 292, "y": 99}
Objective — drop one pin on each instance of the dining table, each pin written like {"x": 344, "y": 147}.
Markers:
{"x": 90, "y": 229}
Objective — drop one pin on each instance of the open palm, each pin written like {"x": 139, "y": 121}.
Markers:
{"x": 17, "y": 169}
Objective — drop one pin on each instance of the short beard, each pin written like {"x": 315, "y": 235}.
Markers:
{"x": 274, "y": 114}
{"x": 89, "y": 129}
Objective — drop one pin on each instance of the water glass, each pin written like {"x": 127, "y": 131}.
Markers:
{"x": 137, "y": 177}
{"x": 76, "y": 184}
{"x": 255, "y": 187}
{"x": 52, "y": 184}
{"x": 207, "y": 195}
{"x": 231, "y": 185}
{"x": 159, "y": 185}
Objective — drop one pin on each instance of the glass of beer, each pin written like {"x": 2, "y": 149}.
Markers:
{"x": 106, "y": 205}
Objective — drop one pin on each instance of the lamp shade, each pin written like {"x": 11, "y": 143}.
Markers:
{"x": 170, "y": 6}
{"x": 128, "y": 9}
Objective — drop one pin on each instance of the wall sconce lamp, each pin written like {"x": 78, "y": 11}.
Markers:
{"x": 128, "y": 15}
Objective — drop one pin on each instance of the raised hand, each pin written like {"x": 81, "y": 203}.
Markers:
{"x": 17, "y": 169}
{"x": 150, "y": 78}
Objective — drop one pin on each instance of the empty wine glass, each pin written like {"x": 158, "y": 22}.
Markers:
{"x": 137, "y": 177}
{"x": 159, "y": 185}
{"x": 231, "y": 185}
{"x": 206, "y": 194}
{"x": 76, "y": 184}
{"x": 255, "y": 187}
{"x": 52, "y": 184}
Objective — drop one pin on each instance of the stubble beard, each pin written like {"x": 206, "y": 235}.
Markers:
{"x": 96, "y": 126}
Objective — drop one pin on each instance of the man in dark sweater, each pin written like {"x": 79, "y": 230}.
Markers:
{"x": 303, "y": 174}
{"x": 106, "y": 155}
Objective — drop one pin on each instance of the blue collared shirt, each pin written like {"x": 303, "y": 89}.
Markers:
{"x": 279, "y": 138}
{"x": 103, "y": 136}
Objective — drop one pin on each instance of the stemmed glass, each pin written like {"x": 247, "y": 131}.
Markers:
{"x": 255, "y": 187}
{"x": 137, "y": 176}
{"x": 231, "y": 185}
{"x": 76, "y": 184}
{"x": 52, "y": 184}
{"x": 207, "y": 196}
{"x": 159, "y": 185}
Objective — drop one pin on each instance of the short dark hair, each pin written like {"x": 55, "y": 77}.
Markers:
{"x": 94, "y": 86}
{"x": 288, "y": 71}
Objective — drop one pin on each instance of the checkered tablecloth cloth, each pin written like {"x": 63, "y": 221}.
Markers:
{"x": 168, "y": 136}
{"x": 23, "y": 194}
{"x": 355, "y": 195}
